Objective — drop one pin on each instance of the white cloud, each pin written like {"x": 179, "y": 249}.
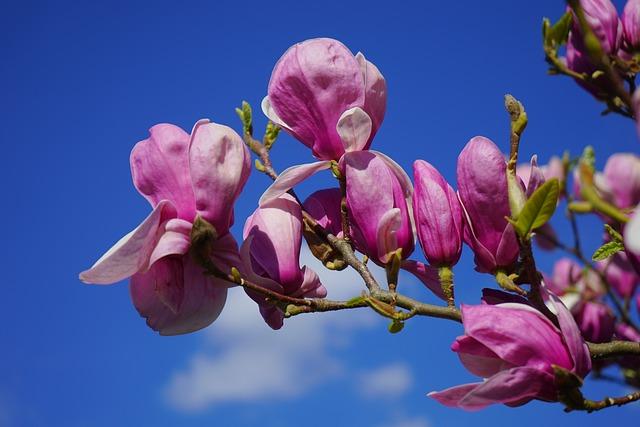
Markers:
{"x": 244, "y": 360}
{"x": 389, "y": 381}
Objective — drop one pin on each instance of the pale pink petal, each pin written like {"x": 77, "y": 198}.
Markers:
{"x": 354, "y": 128}
{"x": 156, "y": 293}
{"x": 389, "y": 224}
{"x": 291, "y": 177}
{"x": 160, "y": 169}
{"x": 632, "y": 233}
{"x": 131, "y": 253}
{"x": 175, "y": 240}
{"x": 220, "y": 165}
{"x": 268, "y": 111}
{"x": 477, "y": 358}
{"x": 375, "y": 101}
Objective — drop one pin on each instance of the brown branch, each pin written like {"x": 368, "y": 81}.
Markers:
{"x": 613, "y": 349}
{"x": 607, "y": 402}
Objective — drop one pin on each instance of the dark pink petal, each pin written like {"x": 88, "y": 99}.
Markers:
{"x": 536, "y": 177}
{"x": 571, "y": 335}
{"x": 513, "y": 385}
{"x": 477, "y": 358}
{"x": 176, "y": 297}
{"x": 518, "y": 334}
{"x": 291, "y": 177}
{"x": 312, "y": 84}
{"x": 595, "y": 321}
{"x": 426, "y": 274}
{"x": 220, "y": 165}
{"x": 437, "y": 214}
{"x": 311, "y": 286}
{"x": 131, "y": 253}
{"x": 160, "y": 169}
{"x": 621, "y": 274}
{"x": 324, "y": 207}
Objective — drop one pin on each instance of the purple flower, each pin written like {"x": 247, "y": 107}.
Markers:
{"x": 620, "y": 274}
{"x": 377, "y": 201}
{"x": 631, "y": 26}
{"x": 602, "y": 17}
{"x": 622, "y": 176}
{"x": 437, "y": 214}
{"x": 181, "y": 177}
{"x": 324, "y": 207}
{"x": 595, "y": 321}
{"x": 271, "y": 256}
{"x": 514, "y": 347}
{"x": 327, "y": 98}
{"x": 482, "y": 188}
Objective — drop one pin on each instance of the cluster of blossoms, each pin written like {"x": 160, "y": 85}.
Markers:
{"x": 182, "y": 258}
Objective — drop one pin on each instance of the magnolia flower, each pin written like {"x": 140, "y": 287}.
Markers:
{"x": 324, "y": 207}
{"x": 515, "y": 348}
{"x": 620, "y": 274}
{"x": 271, "y": 256}
{"x": 182, "y": 177}
{"x": 622, "y": 176}
{"x": 631, "y": 26}
{"x": 378, "y": 209}
{"x": 437, "y": 214}
{"x": 482, "y": 188}
{"x": 602, "y": 18}
{"x": 328, "y": 99}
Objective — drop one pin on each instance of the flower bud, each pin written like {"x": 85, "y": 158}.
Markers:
{"x": 602, "y": 17}
{"x": 271, "y": 256}
{"x": 378, "y": 210}
{"x": 482, "y": 188}
{"x": 327, "y": 98}
{"x": 595, "y": 321}
{"x": 622, "y": 175}
{"x": 437, "y": 214}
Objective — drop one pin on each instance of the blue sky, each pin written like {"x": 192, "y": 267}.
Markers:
{"x": 81, "y": 83}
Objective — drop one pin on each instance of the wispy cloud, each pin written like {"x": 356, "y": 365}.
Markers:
{"x": 388, "y": 381}
{"x": 250, "y": 362}
{"x": 408, "y": 422}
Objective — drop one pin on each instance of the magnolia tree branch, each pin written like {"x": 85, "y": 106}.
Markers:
{"x": 613, "y": 349}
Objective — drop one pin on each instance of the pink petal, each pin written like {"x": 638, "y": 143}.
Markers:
{"x": 156, "y": 292}
{"x": 220, "y": 165}
{"x": 513, "y": 385}
{"x": 388, "y": 226}
{"x": 160, "y": 169}
{"x": 572, "y": 337}
{"x": 375, "y": 102}
{"x": 131, "y": 253}
{"x": 311, "y": 286}
{"x": 291, "y": 177}
{"x": 632, "y": 233}
{"x": 518, "y": 334}
{"x": 268, "y": 111}
{"x": 477, "y": 358}
{"x": 354, "y": 128}
{"x": 175, "y": 240}
{"x": 426, "y": 274}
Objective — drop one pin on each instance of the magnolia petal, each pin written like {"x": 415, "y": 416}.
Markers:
{"x": 155, "y": 294}
{"x": 403, "y": 178}
{"x": 131, "y": 253}
{"x": 477, "y": 358}
{"x": 389, "y": 224}
{"x": 571, "y": 334}
{"x": 426, "y": 274}
{"x": 536, "y": 177}
{"x": 354, "y": 128}
{"x": 220, "y": 164}
{"x": 290, "y": 177}
{"x": 271, "y": 114}
{"x": 375, "y": 101}
{"x": 311, "y": 286}
{"x": 175, "y": 240}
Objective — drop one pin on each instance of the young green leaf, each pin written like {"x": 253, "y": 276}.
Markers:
{"x": 538, "y": 208}
{"x": 606, "y": 250}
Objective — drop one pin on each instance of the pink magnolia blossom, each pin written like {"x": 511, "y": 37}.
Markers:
{"x": 271, "y": 256}
{"x": 622, "y": 176}
{"x": 324, "y": 207}
{"x": 437, "y": 214}
{"x": 514, "y": 347}
{"x": 631, "y": 26}
{"x": 181, "y": 176}
{"x": 482, "y": 188}
{"x": 327, "y": 98}
{"x": 378, "y": 208}
{"x": 602, "y": 17}
{"x": 620, "y": 274}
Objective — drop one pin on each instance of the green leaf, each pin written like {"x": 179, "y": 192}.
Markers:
{"x": 606, "y": 250}
{"x": 613, "y": 233}
{"x": 396, "y": 326}
{"x": 538, "y": 208}
{"x": 559, "y": 32}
